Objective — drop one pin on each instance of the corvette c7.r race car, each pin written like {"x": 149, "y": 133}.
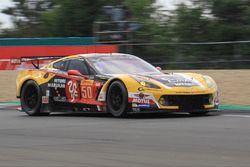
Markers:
{"x": 115, "y": 83}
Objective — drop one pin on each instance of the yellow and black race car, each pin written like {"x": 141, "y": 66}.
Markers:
{"x": 115, "y": 83}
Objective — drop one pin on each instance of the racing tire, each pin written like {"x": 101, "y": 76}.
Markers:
{"x": 31, "y": 99}
{"x": 117, "y": 99}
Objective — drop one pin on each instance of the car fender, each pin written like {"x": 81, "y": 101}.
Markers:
{"x": 39, "y": 76}
{"x": 131, "y": 85}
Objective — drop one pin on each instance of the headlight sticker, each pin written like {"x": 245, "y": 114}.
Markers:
{"x": 146, "y": 82}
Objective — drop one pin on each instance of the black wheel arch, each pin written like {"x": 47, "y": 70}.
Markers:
{"x": 21, "y": 87}
{"x": 121, "y": 112}
{"x": 25, "y": 82}
{"x": 34, "y": 109}
{"x": 41, "y": 109}
{"x": 116, "y": 79}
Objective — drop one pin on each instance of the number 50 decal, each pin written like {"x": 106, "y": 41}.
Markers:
{"x": 86, "y": 92}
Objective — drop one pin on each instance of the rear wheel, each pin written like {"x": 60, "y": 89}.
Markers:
{"x": 117, "y": 99}
{"x": 31, "y": 98}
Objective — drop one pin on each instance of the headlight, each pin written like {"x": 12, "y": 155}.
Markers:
{"x": 148, "y": 84}
{"x": 210, "y": 82}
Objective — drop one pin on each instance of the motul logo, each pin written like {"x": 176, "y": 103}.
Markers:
{"x": 142, "y": 101}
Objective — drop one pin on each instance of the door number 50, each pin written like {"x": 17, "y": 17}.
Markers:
{"x": 86, "y": 92}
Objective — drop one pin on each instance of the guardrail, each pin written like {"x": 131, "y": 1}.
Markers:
{"x": 193, "y": 55}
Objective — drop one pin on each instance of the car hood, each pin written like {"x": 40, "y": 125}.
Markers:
{"x": 172, "y": 79}
{"x": 169, "y": 79}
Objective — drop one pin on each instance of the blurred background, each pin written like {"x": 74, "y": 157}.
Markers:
{"x": 191, "y": 34}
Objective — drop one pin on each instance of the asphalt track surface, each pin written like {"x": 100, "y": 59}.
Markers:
{"x": 99, "y": 140}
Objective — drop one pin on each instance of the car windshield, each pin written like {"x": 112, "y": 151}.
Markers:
{"x": 121, "y": 64}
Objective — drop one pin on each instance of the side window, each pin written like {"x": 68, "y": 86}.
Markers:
{"x": 78, "y": 65}
{"x": 60, "y": 65}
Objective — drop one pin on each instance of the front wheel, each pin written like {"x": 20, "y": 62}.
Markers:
{"x": 31, "y": 98}
{"x": 117, "y": 99}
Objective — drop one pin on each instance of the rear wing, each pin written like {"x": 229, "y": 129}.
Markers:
{"x": 35, "y": 61}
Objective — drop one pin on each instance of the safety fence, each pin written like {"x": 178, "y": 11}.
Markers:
{"x": 193, "y": 55}
{"x": 173, "y": 55}
{"x": 168, "y": 55}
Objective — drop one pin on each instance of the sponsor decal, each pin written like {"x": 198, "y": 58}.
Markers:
{"x": 72, "y": 91}
{"x": 180, "y": 82}
{"x": 102, "y": 96}
{"x": 47, "y": 93}
{"x": 57, "y": 83}
{"x": 142, "y": 95}
{"x": 141, "y": 98}
{"x": 142, "y": 101}
{"x": 60, "y": 99}
{"x": 87, "y": 82}
{"x": 15, "y": 61}
{"x": 176, "y": 80}
{"x": 62, "y": 81}
{"x": 183, "y": 84}
{"x": 136, "y": 109}
{"x": 143, "y": 105}
{"x": 97, "y": 84}
{"x": 45, "y": 99}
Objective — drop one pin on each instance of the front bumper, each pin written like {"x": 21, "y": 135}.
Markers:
{"x": 183, "y": 109}
{"x": 173, "y": 102}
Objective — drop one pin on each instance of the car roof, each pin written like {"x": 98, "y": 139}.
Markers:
{"x": 100, "y": 55}
{"x": 88, "y": 55}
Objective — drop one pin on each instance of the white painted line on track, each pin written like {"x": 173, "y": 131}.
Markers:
{"x": 240, "y": 116}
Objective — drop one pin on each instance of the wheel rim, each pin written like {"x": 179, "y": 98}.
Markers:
{"x": 31, "y": 97}
{"x": 116, "y": 98}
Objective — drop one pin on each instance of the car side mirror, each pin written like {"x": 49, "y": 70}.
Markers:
{"x": 77, "y": 73}
{"x": 158, "y": 68}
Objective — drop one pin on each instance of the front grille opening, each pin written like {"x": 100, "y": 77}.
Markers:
{"x": 187, "y": 101}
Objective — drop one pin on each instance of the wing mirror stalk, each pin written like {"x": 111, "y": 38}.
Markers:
{"x": 158, "y": 68}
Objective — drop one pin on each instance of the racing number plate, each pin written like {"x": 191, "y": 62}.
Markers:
{"x": 88, "y": 90}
